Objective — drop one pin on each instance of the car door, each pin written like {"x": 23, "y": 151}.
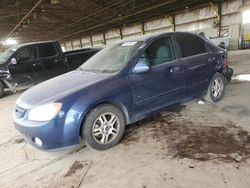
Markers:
{"x": 52, "y": 59}
{"x": 27, "y": 69}
{"x": 164, "y": 83}
{"x": 197, "y": 63}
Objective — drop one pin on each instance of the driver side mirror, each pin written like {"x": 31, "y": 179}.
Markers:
{"x": 141, "y": 67}
{"x": 13, "y": 61}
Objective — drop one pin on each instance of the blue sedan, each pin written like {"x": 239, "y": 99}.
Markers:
{"x": 123, "y": 83}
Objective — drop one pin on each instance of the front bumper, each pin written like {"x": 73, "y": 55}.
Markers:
{"x": 54, "y": 134}
{"x": 6, "y": 78}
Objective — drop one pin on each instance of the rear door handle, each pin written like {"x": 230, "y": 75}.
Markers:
{"x": 211, "y": 59}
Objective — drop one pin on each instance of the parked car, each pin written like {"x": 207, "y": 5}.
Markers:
{"x": 32, "y": 63}
{"x": 123, "y": 83}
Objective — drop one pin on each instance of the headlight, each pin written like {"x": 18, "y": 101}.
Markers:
{"x": 45, "y": 112}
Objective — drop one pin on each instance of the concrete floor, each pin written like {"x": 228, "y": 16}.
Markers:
{"x": 196, "y": 145}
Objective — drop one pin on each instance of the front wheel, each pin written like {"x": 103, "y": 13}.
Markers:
{"x": 216, "y": 88}
{"x": 103, "y": 127}
{"x": 1, "y": 89}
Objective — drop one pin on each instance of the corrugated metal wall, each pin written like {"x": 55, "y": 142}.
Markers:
{"x": 199, "y": 20}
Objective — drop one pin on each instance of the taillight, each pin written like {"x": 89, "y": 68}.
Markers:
{"x": 225, "y": 63}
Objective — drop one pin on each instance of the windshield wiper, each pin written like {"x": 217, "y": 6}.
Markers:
{"x": 89, "y": 70}
{"x": 108, "y": 71}
{"x": 79, "y": 69}
{"x": 96, "y": 71}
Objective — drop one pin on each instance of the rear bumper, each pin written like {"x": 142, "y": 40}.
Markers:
{"x": 228, "y": 73}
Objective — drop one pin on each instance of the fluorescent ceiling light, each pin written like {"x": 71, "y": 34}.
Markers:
{"x": 9, "y": 42}
{"x": 246, "y": 17}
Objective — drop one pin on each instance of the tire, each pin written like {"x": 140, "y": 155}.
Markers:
{"x": 103, "y": 127}
{"x": 1, "y": 89}
{"x": 216, "y": 88}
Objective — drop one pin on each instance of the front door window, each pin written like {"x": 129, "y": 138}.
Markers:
{"x": 159, "y": 52}
{"x": 27, "y": 53}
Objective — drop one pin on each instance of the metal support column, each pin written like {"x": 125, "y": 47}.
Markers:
{"x": 121, "y": 33}
{"x": 91, "y": 40}
{"x": 104, "y": 39}
{"x": 143, "y": 28}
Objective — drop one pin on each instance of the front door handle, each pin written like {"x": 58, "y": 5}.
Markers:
{"x": 175, "y": 69}
{"x": 36, "y": 64}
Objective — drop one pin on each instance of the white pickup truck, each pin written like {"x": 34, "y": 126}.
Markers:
{"x": 222, "y": 41}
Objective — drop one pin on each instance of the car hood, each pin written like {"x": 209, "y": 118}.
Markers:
{"x": 58, "y": 87}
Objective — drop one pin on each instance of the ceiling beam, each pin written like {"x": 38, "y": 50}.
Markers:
{"x": 10, "y": 15}
{"x": 118, "y": 19}
{"x": 85, "y": 17}
{"x": 38, "y": 4}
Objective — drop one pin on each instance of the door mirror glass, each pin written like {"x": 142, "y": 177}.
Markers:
{"x": 13, "y": 61}
{"x": 141, "y": 67}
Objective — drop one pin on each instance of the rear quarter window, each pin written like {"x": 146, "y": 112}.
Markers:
{"x": 46, "y": 50}
{"x": 190, "y": 45}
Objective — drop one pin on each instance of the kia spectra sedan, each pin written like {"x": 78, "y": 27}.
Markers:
{"x": 123, "y": 83}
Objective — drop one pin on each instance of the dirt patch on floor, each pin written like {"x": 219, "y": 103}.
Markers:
{"x": 78, "y": 149}
{"x": 133, "y": 131}
{"x": 18, "y": 141}
{"x": 206, "y": 143}
{"x": 77, "y": 165}
{"x": 182, "y": 137}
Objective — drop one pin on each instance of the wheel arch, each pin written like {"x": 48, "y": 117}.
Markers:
{"x": 116, "y": 104}
{"x": 7, "y": 84}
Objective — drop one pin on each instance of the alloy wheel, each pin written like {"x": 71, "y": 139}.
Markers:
{"x": 217, "y": 87}
{"x": 106, "y": 128}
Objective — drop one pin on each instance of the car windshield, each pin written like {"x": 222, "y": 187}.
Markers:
{"x": 112, "y": 58}
{"x": 4, "y": 56}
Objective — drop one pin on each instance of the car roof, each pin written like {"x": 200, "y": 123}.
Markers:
{"x": 132, "y": 39}
{"x": 151, "y": 36}
{"x": 31, "y": 43}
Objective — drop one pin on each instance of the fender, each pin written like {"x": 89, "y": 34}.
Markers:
{"x": 7, "y": 80}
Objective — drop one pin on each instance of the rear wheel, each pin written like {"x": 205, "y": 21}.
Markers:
{"x": 216, "y": 88}
{"x": 103, "y": 127}
{"x": 1, "y": 89}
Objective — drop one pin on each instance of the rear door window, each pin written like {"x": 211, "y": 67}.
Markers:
{"x": 190, "y": 45}
{"x": 27, "y": 53}
{"x": 46, "y": 50}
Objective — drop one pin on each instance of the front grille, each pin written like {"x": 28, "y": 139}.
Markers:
{"x": 19, "y": 111}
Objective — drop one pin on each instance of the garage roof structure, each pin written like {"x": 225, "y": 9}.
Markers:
{"x": 37, "y": 20}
